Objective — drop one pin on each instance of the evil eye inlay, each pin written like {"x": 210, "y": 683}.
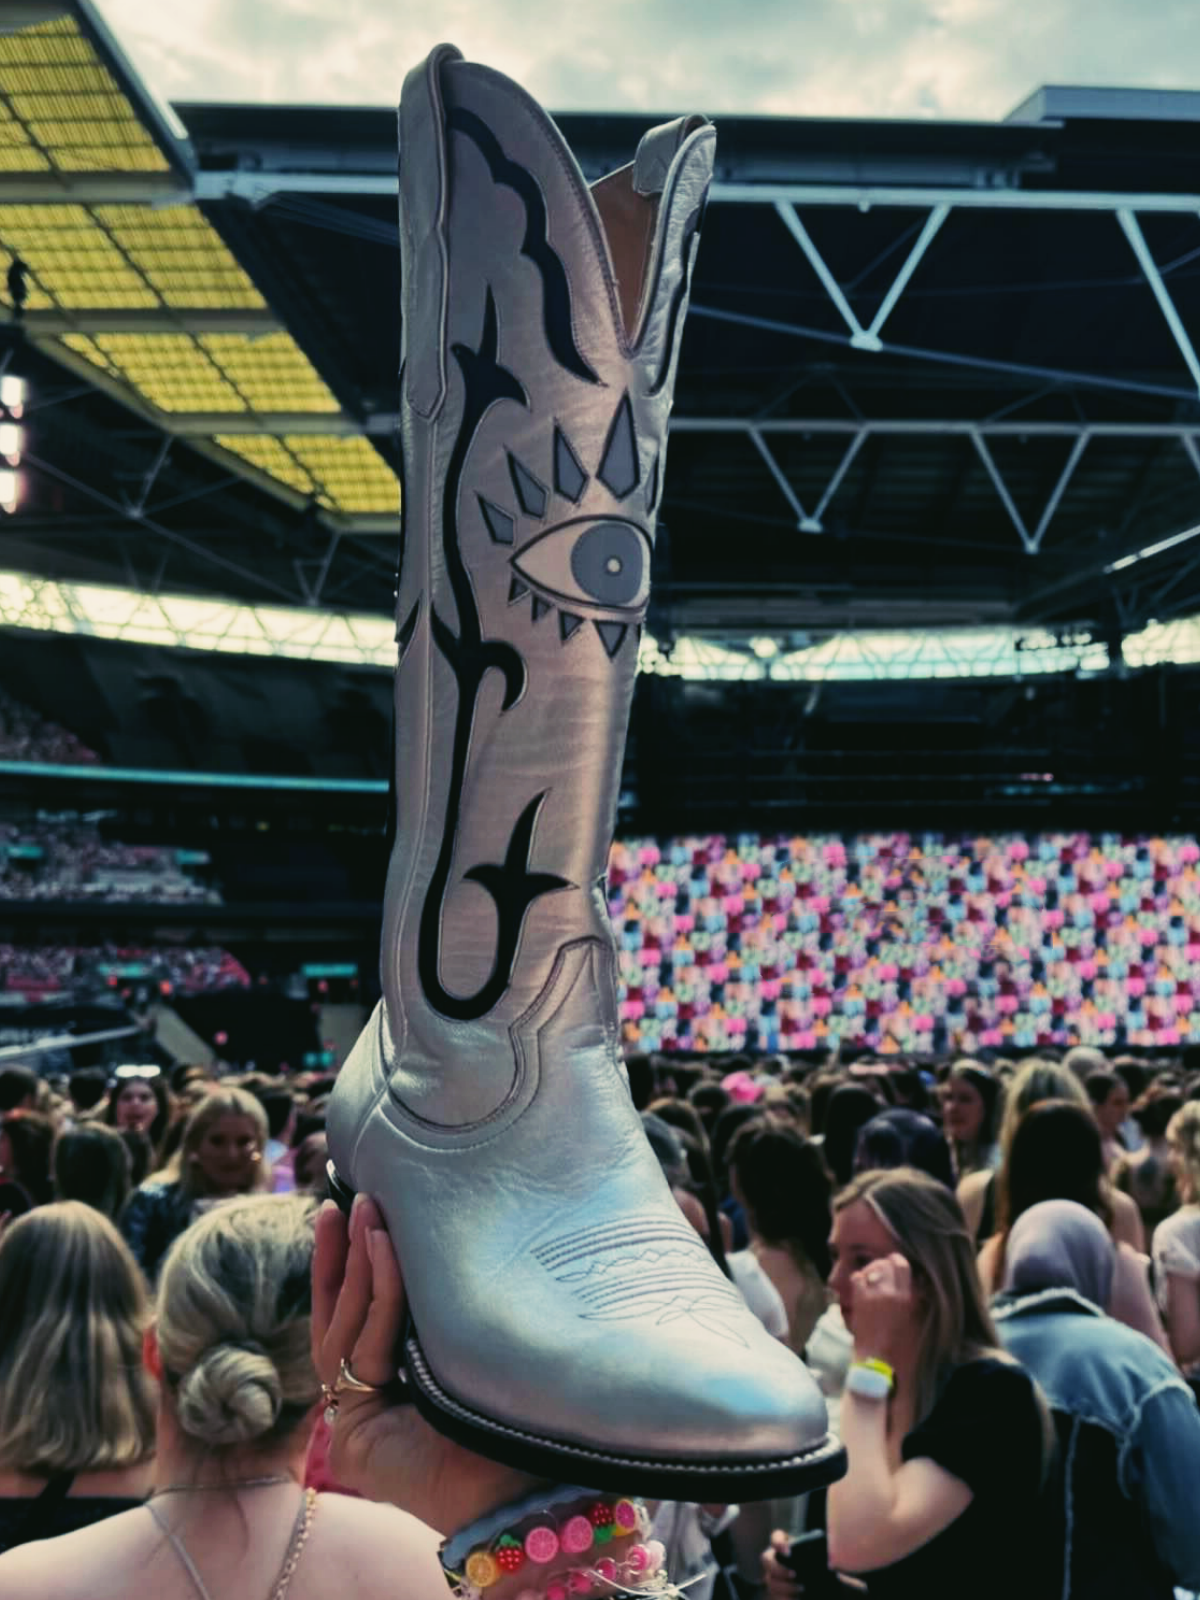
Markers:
{"x": 597, "y": 561}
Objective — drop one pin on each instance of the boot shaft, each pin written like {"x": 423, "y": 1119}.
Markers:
{"x": 541, "y": 331}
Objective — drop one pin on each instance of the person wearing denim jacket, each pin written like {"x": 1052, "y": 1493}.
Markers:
{"x": 1121, "y": 1509}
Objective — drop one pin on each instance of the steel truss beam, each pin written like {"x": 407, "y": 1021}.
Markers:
{"x": 1081, "y": 434}
{"x": 103, "y": 319}
{"x": 259, "y": 187}
{"x": 201, "y": 424}
{"x": 869, "y": 338}
{"x": 93, "y": 189}
{"x": 864, "y": 338}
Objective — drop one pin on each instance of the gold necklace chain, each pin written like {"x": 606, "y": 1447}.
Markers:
{"x": 212, "y": 1488}
{"x": 296, "y": 1548}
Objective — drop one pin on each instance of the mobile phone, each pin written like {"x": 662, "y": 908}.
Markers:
{"x": 807, "y": 1559}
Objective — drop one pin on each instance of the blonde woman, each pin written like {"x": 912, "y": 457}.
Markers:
{"x": 76, "y": 1409}
{"x": 947, "y": 1437}
{"x": 229, "y": 1516}
{"x": 1038, "y": 1080}
{"x": 1177, "y": 1244}
{"x": 219, "y": 1158}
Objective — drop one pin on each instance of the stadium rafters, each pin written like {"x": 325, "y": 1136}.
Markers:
{"x": 940, "y": 376}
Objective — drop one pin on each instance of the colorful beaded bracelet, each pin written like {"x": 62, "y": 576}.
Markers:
{"x": 549, "y": 1542}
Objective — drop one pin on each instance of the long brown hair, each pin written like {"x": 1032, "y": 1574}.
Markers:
{"x": 73, "y": 1394}
{"x": 931, "y": 1233}
{"x": 1056, "y": 1154}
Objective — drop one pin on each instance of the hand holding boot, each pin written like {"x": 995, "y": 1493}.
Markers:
{"x": 381, "y": 1447}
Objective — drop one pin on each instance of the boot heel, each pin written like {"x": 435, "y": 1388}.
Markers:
{"x": 337, "y": 1189}
{"x": 725, "y": 1478}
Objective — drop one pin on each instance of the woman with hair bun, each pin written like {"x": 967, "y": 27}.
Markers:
{"x": 229, "y": 1516}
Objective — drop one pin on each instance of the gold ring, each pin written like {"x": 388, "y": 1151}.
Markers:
{"x": 331, "y": 1392}
{"x": 346, "y": 1380}
{"x": 872, "y": 1277}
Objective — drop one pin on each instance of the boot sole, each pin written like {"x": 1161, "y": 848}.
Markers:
{"x": 557, "y": 1460}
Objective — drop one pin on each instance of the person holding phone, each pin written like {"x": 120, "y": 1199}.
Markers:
{"x": 947, "y": 1437}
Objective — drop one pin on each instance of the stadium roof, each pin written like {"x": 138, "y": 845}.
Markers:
{"x": 937, "y": 375}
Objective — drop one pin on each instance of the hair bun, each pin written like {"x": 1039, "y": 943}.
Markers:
{"x": 233, "y": 1394}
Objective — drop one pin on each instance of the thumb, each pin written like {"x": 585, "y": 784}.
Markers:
{"x": 780, "y": 1540}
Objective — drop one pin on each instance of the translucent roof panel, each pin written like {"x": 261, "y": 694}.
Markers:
{"x": 343, "y": 473}
{"x": 180, "y": 255}
{"x": 125, "y": 256}
{"x": 69, "y": 105}
{"x": 235, "y": 372}
{"x": 353, "y": 474}
{"x": 71, "y": 261}
{"x": 168, "y": 369}
{"x": 271, "y": 372}
{"x": 64, "y": 111}
{"x": 270, "y": 455}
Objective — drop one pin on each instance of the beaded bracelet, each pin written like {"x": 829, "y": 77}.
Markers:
{"x": 557, "y": 1543}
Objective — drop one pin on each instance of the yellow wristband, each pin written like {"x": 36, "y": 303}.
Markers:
{"x": 881, "y": 1367}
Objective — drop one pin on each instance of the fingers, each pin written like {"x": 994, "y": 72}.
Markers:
{"x": 329, "y": 1268}
{"x": 781, "y": 1582}
{"x": 374, "y": 1357}
{"x": 353, "y": 1299}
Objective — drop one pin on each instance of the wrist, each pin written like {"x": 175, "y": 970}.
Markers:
{"x": 555, "y": 1544}
{"x": 871, "y": 1379}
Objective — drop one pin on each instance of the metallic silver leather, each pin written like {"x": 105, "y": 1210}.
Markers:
{"x": 554, "y": 1284}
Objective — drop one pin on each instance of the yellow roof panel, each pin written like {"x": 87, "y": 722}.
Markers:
{"x": 271, "y": 371}
{"x": 353, "y": 474}
{"x": 169, "y": 369}
{"x": 343, "y": 473}
{"x": 269, "y": 455}
{"x": 213, "y": 372}
{"x": 64, "y": 109}
{"x": 72, "y": 114}
{"x": 124, "y": 255}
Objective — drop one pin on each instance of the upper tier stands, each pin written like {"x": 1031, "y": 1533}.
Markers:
{"x": 900, "y": 943}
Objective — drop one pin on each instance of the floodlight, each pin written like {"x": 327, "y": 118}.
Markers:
{"x": 10, "y": 490}
{"x": 11, "y": 438}
{"x": 12, "y": 394}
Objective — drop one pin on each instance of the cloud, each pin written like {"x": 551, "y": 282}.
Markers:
{"x": 969, "y": 59}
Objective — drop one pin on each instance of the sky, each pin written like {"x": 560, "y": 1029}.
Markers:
{"x": 965, "y": 59}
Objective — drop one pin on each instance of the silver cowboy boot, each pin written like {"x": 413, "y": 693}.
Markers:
{"x": 564, "y": 1316}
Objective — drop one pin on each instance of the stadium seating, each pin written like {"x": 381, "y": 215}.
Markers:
{"x": 907, "y": 944}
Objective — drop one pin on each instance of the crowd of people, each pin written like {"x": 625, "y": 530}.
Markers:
{"x": 908, "y": 944}
{"x": 43, "y": 972}
{"x": 1012, "y": 1250}
{"x": 72, "y": 860}
{"x": 26, "y": 736}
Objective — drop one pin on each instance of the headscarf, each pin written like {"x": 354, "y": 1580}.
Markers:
{"x": 903, "y": 1138}
{"x": 1058, "y": 1244}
